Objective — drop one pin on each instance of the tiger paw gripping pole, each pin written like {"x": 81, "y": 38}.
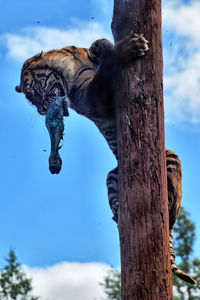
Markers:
{"x": 143, "y": 206}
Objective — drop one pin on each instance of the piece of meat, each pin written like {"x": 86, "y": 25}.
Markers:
{"x": 55, "y": 125}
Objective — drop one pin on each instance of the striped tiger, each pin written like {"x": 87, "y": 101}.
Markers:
{"x": 85, "y": 78}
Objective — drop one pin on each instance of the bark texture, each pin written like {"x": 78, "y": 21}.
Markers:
{"x": 143, "y": 217}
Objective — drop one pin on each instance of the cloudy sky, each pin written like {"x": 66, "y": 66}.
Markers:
{"x": 61, "y": 225}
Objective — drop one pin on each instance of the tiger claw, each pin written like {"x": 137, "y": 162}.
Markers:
{"x": 132, "y": 46}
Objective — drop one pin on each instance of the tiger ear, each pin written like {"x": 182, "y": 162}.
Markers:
{"x": 40, "y": 55}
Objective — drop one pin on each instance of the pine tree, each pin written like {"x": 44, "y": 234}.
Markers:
{"x": 13, "y": 281}
{"x": 184, "y": 240}
{"x": 112, "y": 285}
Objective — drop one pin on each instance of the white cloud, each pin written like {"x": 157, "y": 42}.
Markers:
{"x": 71, "y": 281}
{"x": 182, "y": 62}
{"x": 33, "y": 40}
{"x": 183, "y": 18}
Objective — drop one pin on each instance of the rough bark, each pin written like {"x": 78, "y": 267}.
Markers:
{"x": 143, "y": 217}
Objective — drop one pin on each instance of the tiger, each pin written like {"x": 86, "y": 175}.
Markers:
{"x": 85, "y": 77}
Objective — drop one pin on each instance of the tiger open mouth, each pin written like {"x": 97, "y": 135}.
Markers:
{"x": 42, "y": 98}
{"x": 40, "y": 86}
{"x": 46, "y": 99}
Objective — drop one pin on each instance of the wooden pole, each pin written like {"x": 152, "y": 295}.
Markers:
{"x": 143, "y": 216}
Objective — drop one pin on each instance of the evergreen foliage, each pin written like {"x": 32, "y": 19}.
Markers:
{"x": 112, "y": 285}
{"x": 184, "y": 239}
{"x": 13, "y": 281}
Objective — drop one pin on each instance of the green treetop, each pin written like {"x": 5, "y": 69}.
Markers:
{"x": 13, "y": 281}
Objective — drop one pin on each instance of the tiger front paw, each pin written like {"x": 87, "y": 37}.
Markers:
{"x": 131, "y": 47}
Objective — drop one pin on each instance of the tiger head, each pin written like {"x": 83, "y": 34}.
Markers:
{"x": 40, "y": 81}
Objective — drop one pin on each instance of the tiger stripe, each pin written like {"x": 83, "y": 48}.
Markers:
{"x": 112, "y": 186}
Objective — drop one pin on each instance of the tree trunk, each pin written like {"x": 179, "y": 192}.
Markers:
{"x": 143, "y": 205}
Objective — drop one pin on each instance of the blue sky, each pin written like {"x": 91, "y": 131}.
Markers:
{"x": 66, "y": 218}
